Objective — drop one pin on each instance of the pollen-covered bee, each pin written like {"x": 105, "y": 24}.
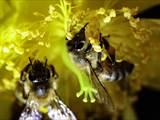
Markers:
{"x": 111, "y": 69}
{"x": 86, "y": 58}
{"x": 37, "y": 85}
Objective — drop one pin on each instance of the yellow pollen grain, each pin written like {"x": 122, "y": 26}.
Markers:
{"x": 42, "y": 35}
{"x": 9, "y": 63}
{"x": 97, "y": 48}
{"x": 23, "y": 34}
{"x": 7, "y": 84}
{"x": 43, "y": 109}
{"x": 33, "y": 35}
{"x": 107, "y": 19}
{"x": 112, "y": 13}
{"x": 48, "y": 45}
{"x": 101, "y": 11}
{"x": 19, "y": 50}
{"x": 41, "y": 43}
{"x": 134, "y": 22}
{"x": 104, "y": 56}
{"x": 126, "y": 12}
{"x": 16, "y": 73}
{"x": 27, "y": 50}
{"x": 9, "y": 66}
{"x": 51, "y": 9}
{"x": 48, "y": 19}
{"x": 127, "y": 15}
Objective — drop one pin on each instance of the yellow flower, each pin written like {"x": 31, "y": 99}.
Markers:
{"x": 24, "y": 35}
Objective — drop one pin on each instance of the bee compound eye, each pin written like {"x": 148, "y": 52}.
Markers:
{"x": 47, "y": 73}
{"x": 32, "y": 76}
{"x": 80, "y": 45}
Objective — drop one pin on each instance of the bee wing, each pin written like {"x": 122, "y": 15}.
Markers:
{"x": 30, "y": 114}
{"x": 102, "y": 95}
{"x": 59, "y": 111}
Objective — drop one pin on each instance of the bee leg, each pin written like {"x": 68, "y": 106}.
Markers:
{"x": 83, "y": 29}
{"x": 22, "y": 81}
{"x": 16, "y": 109}
{"x": 99, "y": 65}
{"x": 110, "y": 49}
{"x": 20, "y": 89}
{"x": 20, "y": 93}
{"x": 111, "y": 52}
{"x": 105, "y": 42}
{"x": 54, "y": 73}
{"x": 23, "y": 76}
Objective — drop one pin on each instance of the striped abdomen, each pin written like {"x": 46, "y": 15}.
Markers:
{"x": 117, "y": 71}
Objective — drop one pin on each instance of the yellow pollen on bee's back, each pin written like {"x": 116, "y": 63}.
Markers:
{"x": 43, "y": 109}
{"x": 97, "y": 48}
{"x": 104, "y": 56}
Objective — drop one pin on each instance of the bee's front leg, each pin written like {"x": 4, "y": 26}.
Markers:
{"x": 54, "y": 73}
{"x": 99, "y": 63}
{"x": 54, "y": 77}
{"x": 21, "y": 93}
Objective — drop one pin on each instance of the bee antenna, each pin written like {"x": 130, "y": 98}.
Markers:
{"x": 100, "y": 35}
{"x": 46, "y": 62}
{"x": 86, "y": 24}
{"x": 30, "y": 61}
{"x": 83, "y": 29}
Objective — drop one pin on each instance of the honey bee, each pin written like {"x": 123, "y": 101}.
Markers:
{"x": 86, "y": 58}
{"x": 111, "y": 69}
{"x": 38, "y": 91}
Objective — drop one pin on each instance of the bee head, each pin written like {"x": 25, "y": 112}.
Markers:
{"x": 78, "y": 41}
{"x": 39, "y": 76}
